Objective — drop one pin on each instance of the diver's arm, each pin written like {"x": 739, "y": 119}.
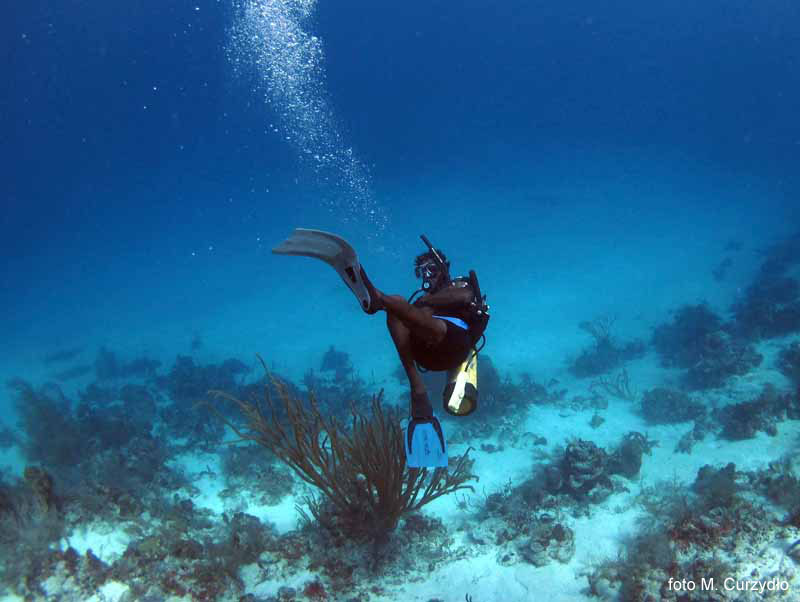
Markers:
{"x": 449, "y": 298}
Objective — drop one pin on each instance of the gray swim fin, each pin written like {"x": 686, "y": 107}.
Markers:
{"x": 337, "y": 253}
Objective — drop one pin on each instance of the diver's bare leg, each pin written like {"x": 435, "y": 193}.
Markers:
{"x": 419, "y": 321}
{"x": 401, "y": 335}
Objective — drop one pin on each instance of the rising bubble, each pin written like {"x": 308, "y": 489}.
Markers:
{"x": 272, "y": 38}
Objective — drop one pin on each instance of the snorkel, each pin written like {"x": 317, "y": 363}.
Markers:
{"x": 430, "y": 277}
{"x": 434, "y": 252}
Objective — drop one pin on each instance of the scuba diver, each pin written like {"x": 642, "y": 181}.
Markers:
{"x": 438, "y": 328}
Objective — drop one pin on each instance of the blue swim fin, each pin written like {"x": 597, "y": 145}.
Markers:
{"x": 425, "y": 444}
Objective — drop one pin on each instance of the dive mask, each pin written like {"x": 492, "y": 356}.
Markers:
{"x": 429, "y": 272}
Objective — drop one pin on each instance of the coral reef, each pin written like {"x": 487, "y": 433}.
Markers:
{"x": 680, "y": 344}
{"x": 619, "y": 386}
{"x": 743, "y": 420}
{"x": 770, "y": 306}
{"x": 789, "y": 363}
{"x": 98, "y": 461}
{"x": 698, "y": 342}
{"x": 337, "y": 386}
{"x": 626, "y": 459}
{"x": 176, "y": 550}
{"x": 716, "y": 486}
{"x": 105, "y": 464}
{"x": 521, "y": 524}
{"x": 780, "y": 484}
{"x": 52, "y": 434}
{"x": 365, "y": 484}
{"x": 584, "y": 470}
{"x": 187, "y": 382}
{"x": 248, "y": 467}
{"x": 548, "y": 541}
{"x": 31, "y": 518}
{"x": 722, "y": 357}
{"x": 186, "y": 385}
{"x": 706, "y": 533}
{"x": 702, "y": 426}
{"x": 338, "y": 389}
{"x": 666, "y": 406}
{"x": 172, "y": 562}
{"x": 337, "y": 362}
{"x": 343, "y": 567}
{"x": 526, "y": 523}
{"x": 605, "y": 353}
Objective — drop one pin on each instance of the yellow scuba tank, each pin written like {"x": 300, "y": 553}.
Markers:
{"x": 461, "y": 391}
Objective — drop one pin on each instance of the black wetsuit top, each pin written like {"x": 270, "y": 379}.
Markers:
{"x": 451, "y": 351}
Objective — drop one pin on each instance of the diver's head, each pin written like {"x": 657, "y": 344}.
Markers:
{"x": 434, "y": 274}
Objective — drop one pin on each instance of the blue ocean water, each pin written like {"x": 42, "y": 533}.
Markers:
{"x": 584, "y": 159}
{"x": 131, "y": 143}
